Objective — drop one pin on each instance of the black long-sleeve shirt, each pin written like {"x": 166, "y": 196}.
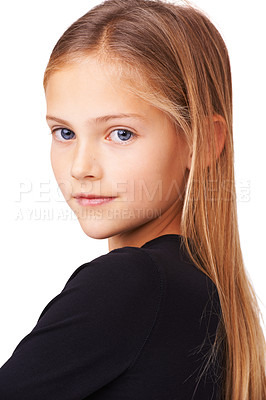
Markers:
{"x": 132, "y": 324}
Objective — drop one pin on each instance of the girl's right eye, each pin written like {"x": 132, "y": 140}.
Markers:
{"x": 64, "y": 133}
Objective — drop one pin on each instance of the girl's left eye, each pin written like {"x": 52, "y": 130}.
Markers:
{"x": 123, "y": 135}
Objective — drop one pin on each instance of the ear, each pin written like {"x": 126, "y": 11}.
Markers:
{"x": 220, "y": 130}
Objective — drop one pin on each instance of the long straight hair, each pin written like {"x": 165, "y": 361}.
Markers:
{"x": 172, "y": 56}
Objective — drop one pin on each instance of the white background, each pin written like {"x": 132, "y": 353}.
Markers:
{"x": 40, "y": 251}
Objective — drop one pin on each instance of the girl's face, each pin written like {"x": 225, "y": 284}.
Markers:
{"x": 100, "y": 148}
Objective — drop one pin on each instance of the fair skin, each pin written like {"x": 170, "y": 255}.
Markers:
{"x": 145, "y": 173}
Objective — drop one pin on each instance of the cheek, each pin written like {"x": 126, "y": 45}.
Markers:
{"x": 63, "y": 180}
{"x": 159, "y": 177}
{"x": 147, "y": 179}
{"x": 55, "y": 162}
{"x": 60, "y": 167}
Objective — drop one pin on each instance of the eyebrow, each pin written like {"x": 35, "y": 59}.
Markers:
{"x": 103, "y": 118}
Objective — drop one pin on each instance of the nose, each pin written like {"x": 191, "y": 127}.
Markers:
{"x": 84, "y": 164}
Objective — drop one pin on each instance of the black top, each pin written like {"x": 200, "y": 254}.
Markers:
{"x": 132, "y": 324}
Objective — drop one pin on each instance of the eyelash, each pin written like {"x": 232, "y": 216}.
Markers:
{"x": 133, "y": 135}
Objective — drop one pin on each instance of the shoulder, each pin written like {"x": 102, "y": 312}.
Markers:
{"x": 91, "y": 332}
{"x": 123, "y": 279}
{"x": 189, "y": 288}
{"x": 130, "y": 265}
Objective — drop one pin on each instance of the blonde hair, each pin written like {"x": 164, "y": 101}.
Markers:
{"x": 173, "y": 57}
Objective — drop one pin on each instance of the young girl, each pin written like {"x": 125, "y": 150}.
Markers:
{"x": 139, "y": 103}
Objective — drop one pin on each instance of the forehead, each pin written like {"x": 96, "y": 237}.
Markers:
{"x": 102, "y": 66}
{"x": 90, "y": 82}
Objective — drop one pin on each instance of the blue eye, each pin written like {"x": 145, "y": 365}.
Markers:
{"x": 65, "y": 133}
{"x": 124, "y": 135}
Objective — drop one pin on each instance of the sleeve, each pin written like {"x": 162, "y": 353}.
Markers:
{"x": 88, "y": 334}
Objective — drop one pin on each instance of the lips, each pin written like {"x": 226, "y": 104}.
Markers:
{"x": 91, "y": 196}
{"x": 86, "y": 200}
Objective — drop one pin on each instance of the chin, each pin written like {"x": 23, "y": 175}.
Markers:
{"x": 104, "y": 229}
{"x": 96, "y": 229}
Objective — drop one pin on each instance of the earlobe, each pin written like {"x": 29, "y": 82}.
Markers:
{"x": 189, "y": 161}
